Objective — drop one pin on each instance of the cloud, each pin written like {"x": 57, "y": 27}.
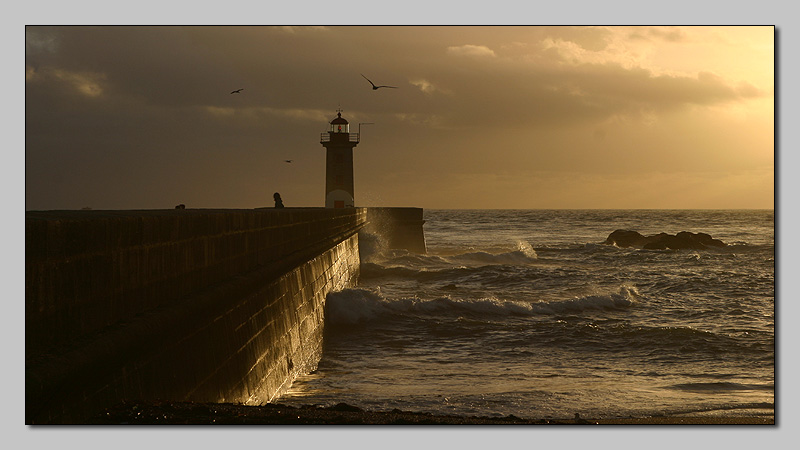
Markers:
{"x": 257, "y": 114}
{"x": 571, "y": 53}
{"x": 38, "y": 39}
{"x": 428, "y": 120}
{"x": 306, "y": 114}
{"x": 428, "y": 87}
{"x": 669, "y": 34}
{"x": 89, "y": 84}
{"x": 30, "y": 73}
{"x": 580, "y": 98}
{"x": 220, "y": 112}
{"x": 471, "y": 50}
{"x": 746, "y": 89}
{"x": 86, "y": 83}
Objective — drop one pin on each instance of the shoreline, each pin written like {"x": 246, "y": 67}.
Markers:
{"x": 189, "y": 413}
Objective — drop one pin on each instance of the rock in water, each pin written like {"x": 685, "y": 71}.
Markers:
{"x": 625, "y": 238}
{"x": 661, "y": 241}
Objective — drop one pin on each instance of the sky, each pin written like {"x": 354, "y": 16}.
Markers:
{"x": 141, "y": 117}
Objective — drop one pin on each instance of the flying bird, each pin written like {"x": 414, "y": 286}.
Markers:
{"x": 288, "y": 160}
{"x": 374, "y": 88}
{"x": 237, "y": 91}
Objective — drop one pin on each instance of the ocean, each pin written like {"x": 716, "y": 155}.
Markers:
{"x": 528, "y": 313}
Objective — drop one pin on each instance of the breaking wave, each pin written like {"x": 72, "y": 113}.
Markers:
{"x": 353, "y": 306}
{"x": 524, "y": 254}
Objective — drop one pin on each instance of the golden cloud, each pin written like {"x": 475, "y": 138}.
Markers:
{"x": 258, "y": 113}
{"x": 87, "y": 83}
{"x": 428, "y": 87}
{"x": 471, "y": 50}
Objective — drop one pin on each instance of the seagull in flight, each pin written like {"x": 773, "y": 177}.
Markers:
{"x": 237, "y": 91}
{"x": 375, "y": 88}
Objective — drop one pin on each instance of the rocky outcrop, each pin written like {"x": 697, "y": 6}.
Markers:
{"x": 661, "y": 241}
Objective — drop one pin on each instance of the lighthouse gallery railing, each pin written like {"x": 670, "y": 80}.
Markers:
{"x": 326, "y": 137}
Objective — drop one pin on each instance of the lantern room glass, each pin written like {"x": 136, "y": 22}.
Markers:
{"x": 340, "y": 128}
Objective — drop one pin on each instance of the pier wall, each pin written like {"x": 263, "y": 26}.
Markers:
{"x": 192, "y": 305}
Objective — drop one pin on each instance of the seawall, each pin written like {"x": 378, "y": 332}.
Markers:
{"x": 191, "y": 305}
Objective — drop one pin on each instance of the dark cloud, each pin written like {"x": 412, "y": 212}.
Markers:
{"x": 136, "y": 116}
{"x": 199, "y": 66}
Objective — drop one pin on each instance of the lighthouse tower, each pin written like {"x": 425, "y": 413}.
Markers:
{"x": 339, "y": 143}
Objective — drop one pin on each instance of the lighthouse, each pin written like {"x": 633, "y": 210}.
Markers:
{"x": 339, "y": 143}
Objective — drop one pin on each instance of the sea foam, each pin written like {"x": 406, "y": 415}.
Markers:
{"x": 352, "y": 306}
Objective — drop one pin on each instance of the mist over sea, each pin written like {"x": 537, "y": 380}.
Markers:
{"x": 526, "y": 312}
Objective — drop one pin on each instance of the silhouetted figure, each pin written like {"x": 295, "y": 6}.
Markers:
{"x": 237, "y": 91}
{"x": 181, "y": 206}
{"x": 374, "y": 88}
{"x": 278, "y": 201}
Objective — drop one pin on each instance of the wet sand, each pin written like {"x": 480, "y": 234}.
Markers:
{"x": 187, "y": 413}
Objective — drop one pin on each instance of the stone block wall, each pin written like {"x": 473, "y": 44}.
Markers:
{"x": 198, "y": 305}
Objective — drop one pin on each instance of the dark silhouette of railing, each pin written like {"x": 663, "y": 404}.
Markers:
{"x": 326, "y": 137}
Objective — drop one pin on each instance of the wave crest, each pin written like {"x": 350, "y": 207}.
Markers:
{"x": 353, "y": 306}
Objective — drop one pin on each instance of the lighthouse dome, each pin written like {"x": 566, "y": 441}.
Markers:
{"x": 338, "y": 120}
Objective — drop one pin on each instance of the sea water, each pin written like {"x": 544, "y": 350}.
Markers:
{"x": 528, "y": 313}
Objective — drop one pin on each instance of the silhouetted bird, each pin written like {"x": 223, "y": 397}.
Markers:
{"x": 289, "y": 160}
{"x": 237, "y": 91}
{"x": 376, "y": 87}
